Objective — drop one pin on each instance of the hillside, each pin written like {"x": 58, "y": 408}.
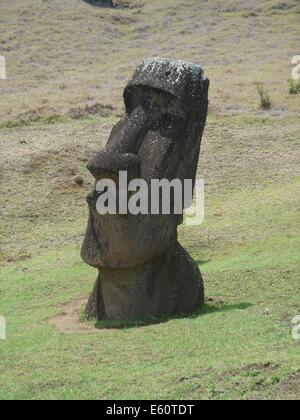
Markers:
{"x": 62, "y": 55}
{"x": 67, "y": 65}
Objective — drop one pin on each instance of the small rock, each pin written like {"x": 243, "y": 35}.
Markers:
{"x": 101, "y": 3}
{"x": 78, "y": 180}
{"x": 218, "y": 213}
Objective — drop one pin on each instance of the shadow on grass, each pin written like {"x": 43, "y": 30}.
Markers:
{"x": 206, "y": 309}
{"x": 100, "y": 3}
{"x": 200, "y": 263}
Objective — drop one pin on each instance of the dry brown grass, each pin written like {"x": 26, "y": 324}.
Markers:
{"x": 69, "y": 60}
{"x": 62, "y": 55}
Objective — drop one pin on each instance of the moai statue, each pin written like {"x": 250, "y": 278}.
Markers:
{"x": 144, "y": 272}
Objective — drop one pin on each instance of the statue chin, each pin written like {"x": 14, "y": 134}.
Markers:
{"x": 125, "y": 241}
{"x": 143, "y": 272}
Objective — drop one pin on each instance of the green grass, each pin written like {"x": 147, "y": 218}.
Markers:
{"x": 265, "y": 100}
{"x": 294, "y": 86}
{"x": 238, "y": 346}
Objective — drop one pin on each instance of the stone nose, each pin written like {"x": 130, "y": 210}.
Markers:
{"x": 108, "y": 164}
{"x": 92, "y": 198}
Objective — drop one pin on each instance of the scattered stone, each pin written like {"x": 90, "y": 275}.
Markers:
{"x": 83, "y": 159}
{"x": 78, "y": 180}
{"x": 101, "y": 3}
{"x": 218, "y": 213}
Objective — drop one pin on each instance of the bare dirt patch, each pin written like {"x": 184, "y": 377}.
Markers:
{"x": 68, "y": 321}
{"x": 289, "y": 388}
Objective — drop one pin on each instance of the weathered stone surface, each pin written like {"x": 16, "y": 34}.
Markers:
{"x": 143, "y": 271}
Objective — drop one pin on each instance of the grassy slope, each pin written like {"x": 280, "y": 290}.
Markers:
{"x": 240, "y": 345}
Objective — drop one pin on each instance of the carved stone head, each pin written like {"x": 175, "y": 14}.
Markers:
{"x": 158, "y": 137}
